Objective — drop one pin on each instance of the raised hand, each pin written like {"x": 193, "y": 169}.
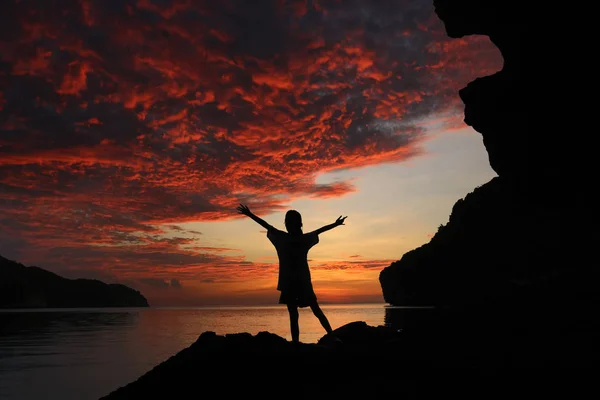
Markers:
{"x": 243, "y": 209}
{"x": 340, "y": 220}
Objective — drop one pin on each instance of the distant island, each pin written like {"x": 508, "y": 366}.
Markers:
{"x": 33, "y": 287}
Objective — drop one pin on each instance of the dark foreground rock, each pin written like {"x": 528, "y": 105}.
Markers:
{"x": 245, "y": 366}
{"x": 33, "y": 287}
{"x": 365, "y": 363}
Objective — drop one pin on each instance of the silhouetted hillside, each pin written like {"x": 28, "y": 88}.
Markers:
{"x": 516, "y": 256}
{"x": 525, "y": 235}
{"x": 496, "y": 245}
{"x": 33, "y": 287}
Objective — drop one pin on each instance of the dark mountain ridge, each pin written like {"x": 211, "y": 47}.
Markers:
{"x": 33, "y": 287}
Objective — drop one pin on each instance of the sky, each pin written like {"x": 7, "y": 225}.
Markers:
{"x": 131, "y": 129}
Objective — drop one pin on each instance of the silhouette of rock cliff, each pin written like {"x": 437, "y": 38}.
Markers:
{"x": 266, "y": 365}
{"x": 33, "y": 287}
{"x": 517, "y": 250}
{"x": 364, "y": 364}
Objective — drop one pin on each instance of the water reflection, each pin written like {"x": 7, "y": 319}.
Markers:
{"x": 50, "y": 323}
{"x": 87, "y": 353}
{"x": 43, "y": 352}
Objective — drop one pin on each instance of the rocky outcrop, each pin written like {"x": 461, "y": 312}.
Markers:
{"x": 266, "y": 365}
{"x": 357, "y": 361}
{"x": 496, "y": 105}
{"x": 518, "y": 249}
{"x": 33, "y": 287}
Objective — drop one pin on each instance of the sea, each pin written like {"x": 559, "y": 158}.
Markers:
{"x": 84, "y": 354}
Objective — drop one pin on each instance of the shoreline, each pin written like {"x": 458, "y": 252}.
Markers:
{"x": 225, "y": 307}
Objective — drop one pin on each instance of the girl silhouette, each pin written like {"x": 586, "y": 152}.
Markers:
{"x": 294, "y": 280}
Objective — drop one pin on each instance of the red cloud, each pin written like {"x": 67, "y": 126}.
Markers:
{"x": 115, "y": 120}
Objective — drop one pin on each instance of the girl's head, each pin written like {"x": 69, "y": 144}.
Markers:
{"x": 293, "y": 221}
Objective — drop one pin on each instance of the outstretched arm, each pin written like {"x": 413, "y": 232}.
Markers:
{"x": 338, "y": 222}
{"x": 243, "y": 209}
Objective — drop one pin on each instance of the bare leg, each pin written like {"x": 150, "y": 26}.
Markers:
{"x": 322, "y": 318}
{"x": 293, "y": 310}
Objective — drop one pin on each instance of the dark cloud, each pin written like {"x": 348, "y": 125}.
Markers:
{"x": 175, "y": 283}
{"x": 155, "y": 283}
{"x": 354, "y": 264}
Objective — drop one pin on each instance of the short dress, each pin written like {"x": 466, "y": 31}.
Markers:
{"x": 294, "y": 280}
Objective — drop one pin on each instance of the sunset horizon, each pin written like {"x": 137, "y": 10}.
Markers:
{"x": 130, "y": 133}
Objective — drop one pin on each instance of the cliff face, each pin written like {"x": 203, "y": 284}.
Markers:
{"x": 524, "y": 237}
{"x": 32, "y": 287}
{"x": 495, "y": 106}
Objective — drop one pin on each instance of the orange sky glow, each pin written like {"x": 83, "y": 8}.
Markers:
{"x": 130, "y": 131}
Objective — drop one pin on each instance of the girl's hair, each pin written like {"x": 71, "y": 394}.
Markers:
{"x": 293, "y": 221}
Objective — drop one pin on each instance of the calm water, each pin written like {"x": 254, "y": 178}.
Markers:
{"x": 86, "y": 353}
